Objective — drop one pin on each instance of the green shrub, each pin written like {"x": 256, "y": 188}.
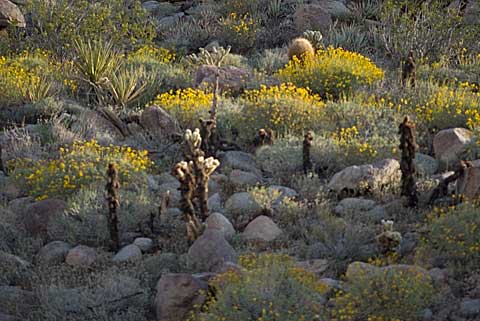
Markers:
{"x": 269, "y": 287}
{"x": 452, "y": 237}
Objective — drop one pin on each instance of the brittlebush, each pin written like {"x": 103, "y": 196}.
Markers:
{"x": 332, "y": 72}
{"x": 80, "y": 166}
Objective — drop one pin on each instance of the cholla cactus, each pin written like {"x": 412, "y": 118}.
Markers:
{"x": 315, "y": 38}
{"x": 194, "y": 175}
{"x": 389, "y": 239}
{"x": 215, "y": 57}
{"x": 113, "y": 200}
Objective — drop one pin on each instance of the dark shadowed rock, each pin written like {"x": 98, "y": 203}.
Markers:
{"x": 10, "y": 15}
{"x": 209, "y": 251}
{"x": 176, "y": 295}
{"x": 53, "y": 253}
{"x": 35, "y": 217}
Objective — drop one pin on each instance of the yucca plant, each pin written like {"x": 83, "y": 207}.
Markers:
{"x": 95, "y": 61}
{"x": 127, "y": 85}
{"x": 37, "y": 88}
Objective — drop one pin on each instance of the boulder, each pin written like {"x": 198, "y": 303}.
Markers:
{"x": 470, "y": 307}
{"x": 13, "y": 270}
{"x": 371, "y": 176}
{"x": 261, "y": 229}
{"x": 336, "y": 9}
{"x": 8, "y": 237}
{"x": 210, "y": 251}
{"x": 156, "y": 120}
{"x": 171, "y": 21}
{"x": 354, "y": 205}
{"x": 449, "y": 144}
{"x": 14, "y": 300}
{"x": 230, "y": 78}
{"x": 144, "y": 243}
{"x": 312, "y": 17}
{"x": 426, "y": 165}
{"x": 241, "y": 178}
{"x": 53, "y": 253}
{"x": 177, "y": 294}
{"x": 36, "y": 217}
{"x": 81, "y": 255}
{"x": 242, "y": 208}
{"x": 221, "y": 223}
{"x": 128, "y": 253}
{"x": 10, "y": 15}
{"x": 317, "y": 266}
{"x": 283, "y": 192}
{"x": 471, "y": 13}
{"x": 239, "y": 160}
{"x": 215, "y": 203}
{"x": 468, "y": 185}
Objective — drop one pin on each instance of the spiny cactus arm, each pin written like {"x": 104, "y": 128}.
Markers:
{"x": 113, "y": 199}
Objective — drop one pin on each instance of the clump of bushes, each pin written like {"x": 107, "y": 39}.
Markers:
{"x": 452, "y": 238}
{"x": 186, "y": 105}
{"x": 332, "y": 72}
{"x": 80, "y": 166}
{"x": 269, "y": 287}
{"x": 284, "y": 108}
{"x": 384, "y": 294}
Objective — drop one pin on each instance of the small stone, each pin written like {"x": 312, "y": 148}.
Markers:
{"x": 470, "y": 308}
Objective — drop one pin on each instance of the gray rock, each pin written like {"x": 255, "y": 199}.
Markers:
{"x": 175, "y": 195}
{"x": 220, "y": 222}
{"x": 241, "y": 178}
{"x": 449, "y": 144}
{"x": 81, "y": 255}
{"x": 215, "y": 203}
{"x": 317, "y": 266}
{"x": 230, "y": 78}
{"x": 408, "y": 243}
{"x": 53, "y": 253}
{"x": 239, "y": 160}
{"x": 176, "y": 295}
{"x": 144, "y": 243}
{"x": 7, "y": 317}
{"x": 354, "y": 205}
{"x": 209, "y": 251}
{"x": 242, "y": 208}
{"x": 312, "y": 17}
{"x": 152, "y": 182}
{"x": 372, "y": 176}
{"x": 10, "y": 15}
{"x": 427, "y": 315}
{"x": 37, "y": 216}
{"x": 170, "y": 21}
{"x": 261, "y": 229}
{"x": 470, "y": 308}
{"x": 13, "y": 270}
{"x": 14, "y": 300}
{"x": 167, "y": 178}
{"x": 128, "y": 253}
{"x": 157, "y": 121}
{"x": 426, "y": 165}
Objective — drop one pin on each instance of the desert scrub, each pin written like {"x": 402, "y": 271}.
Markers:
{"x": 187, "y": 105}
{"x": 269, "y": 287}
{"x": 26, "y": 77}
{"x": 332, "y": 72}
{"x": 81, "y": 165}
{"x": 148, "y": 52}
{"x": 453, "y": 237}
{"x": 386, "y": 294}
{"x": 284, "y": 108}
{"x": 239, "y": 31}
{"x": 126, "y": 26}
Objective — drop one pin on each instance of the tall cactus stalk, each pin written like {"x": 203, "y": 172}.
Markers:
{"x": 113, "y": 199}
{"x": 408, "y": 146}
{"x": 307, "y": 159}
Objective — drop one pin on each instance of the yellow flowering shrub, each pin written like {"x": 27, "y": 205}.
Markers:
{"x": 24, "y": 78}
{"x": 186, "y": 105}
{"x": 386, "y": 294}
{"x": 453, "y": 235}
{"x": 268, "y": 288}
{"x": 82, "y": 165}
{"x": 284, "y": 108}
{"x": 332, "y": 72}
{"x": 349, "y": 142}
{"x": 148, "y": 52}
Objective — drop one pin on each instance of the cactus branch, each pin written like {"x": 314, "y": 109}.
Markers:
{"x": 113, "y": 199}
